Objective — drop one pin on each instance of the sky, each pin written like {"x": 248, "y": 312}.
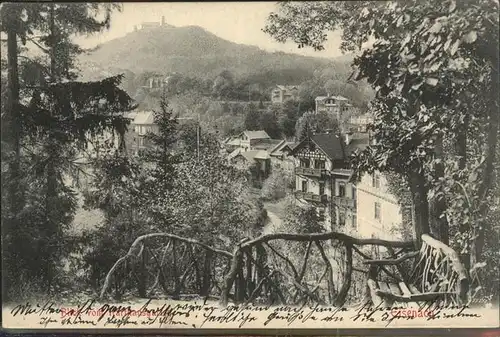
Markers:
{"x": 239, "y": 22}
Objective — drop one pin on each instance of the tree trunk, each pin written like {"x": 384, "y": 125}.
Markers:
{"x": 261, "y": 260}
{"x": 231, "y": 276}
{"x": 420, "y": 205}
{"x": 51, "y": 188}
{"x": 461, "y": 152}
{"x": 206, "y": 274}
{"x": 174, "y": 269}
{"x": 14, "y": 129}
{"x": 439, "y": 222}
{"x": 12, "y": 138}
{"x": 250, "y": 285}
{"x": 492, "y": 143}
{"x": 142, "y": 284}
{"x": 197, "y": 274}
{"x": 344, "y": 290}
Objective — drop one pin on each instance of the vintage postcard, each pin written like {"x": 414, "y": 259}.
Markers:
{"x": 250, "y": 165}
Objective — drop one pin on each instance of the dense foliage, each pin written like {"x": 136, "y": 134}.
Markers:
{"x": 49, "y": 117}
{"x": 434, "y": 66}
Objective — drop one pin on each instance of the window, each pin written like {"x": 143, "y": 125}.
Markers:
{"x": 376, "y": 180}
{"x": 319, "y": 164}
{"x": 354, "y": 221}
{"x": 341, "y": 190}
{"x": 321, "y": 188}
{"x": 304, "y": 163}
{"x": 377, "y": 211}
{"x": 341, "y": 219}
{"x": 354, "y": 192}
{"x": 304, "y": 186}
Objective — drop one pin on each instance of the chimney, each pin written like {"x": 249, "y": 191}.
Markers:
{"x": 348, "y": 137}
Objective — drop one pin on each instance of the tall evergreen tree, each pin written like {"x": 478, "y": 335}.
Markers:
{"x": 160, "y": 160}
{"x": 54, "y": 128}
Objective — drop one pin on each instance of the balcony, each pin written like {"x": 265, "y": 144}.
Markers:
{"x": 345, "y": 202}
{"x": 309, "y": 196}
{"x": 311, "y": 172}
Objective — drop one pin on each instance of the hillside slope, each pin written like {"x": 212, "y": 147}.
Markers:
{"x": 191, "y": 51}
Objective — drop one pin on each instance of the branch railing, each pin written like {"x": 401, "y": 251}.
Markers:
{"x": 276, "y": 268}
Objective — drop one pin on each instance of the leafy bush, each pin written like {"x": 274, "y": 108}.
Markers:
{"x": 276, "y": 186}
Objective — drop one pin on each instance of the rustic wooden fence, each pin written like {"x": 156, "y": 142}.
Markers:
{"x": 276, "y": 268}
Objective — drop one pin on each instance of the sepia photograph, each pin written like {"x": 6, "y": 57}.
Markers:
{"x": 250, "y": 166}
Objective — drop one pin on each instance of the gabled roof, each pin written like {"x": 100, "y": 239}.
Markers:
{"x": 259, "y": 134}
{"x": 266, "y": 144}
{"x": 262, "y": 155}
{"x": 278, "y": 146}
{"x": 331, "y": 144}
{"x": 233, "y": 154}
{"x": 144, "y": 117}
{"x": 334, "y": 146}
{"x": 278, "y": 149}
{"x": 233, "y": 141}
{"x": 248, "y": 155}
{"x": 251, "y": 155}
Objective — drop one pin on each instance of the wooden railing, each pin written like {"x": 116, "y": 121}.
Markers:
{"x": 274, "y": 268}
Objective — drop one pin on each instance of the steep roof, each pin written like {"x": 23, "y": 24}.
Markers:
{"x": 266, "y": 144}
{"x": 334, "y": 145}
{"x": 278, "y": 149}
{"x": 262, "y": 155}
{"x": 259, "y": 134}
{"x": 233, "y": 141}
{"x": 254, "y": 154}
{"x": 249, "y": 155}
{"x": 233, "y": 154}
{"x": 144, "y": 117}
{"x": 330, "y": 144}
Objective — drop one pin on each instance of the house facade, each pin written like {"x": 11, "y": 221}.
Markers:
{"x": 259, "y": 160}
{"x": 379, "y": 212}
{"x": 141, "y": 123}
{"x": 246, "y": 141}
{"x": 282, "y": 93}
{"x": 337, "y": 106}
{"x": 360, "y": 123}
{"x": 322, "y": 179}
{"x": 280, "y": 155}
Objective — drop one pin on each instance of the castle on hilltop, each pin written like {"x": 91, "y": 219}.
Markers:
{"x": 148, "y": 25}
